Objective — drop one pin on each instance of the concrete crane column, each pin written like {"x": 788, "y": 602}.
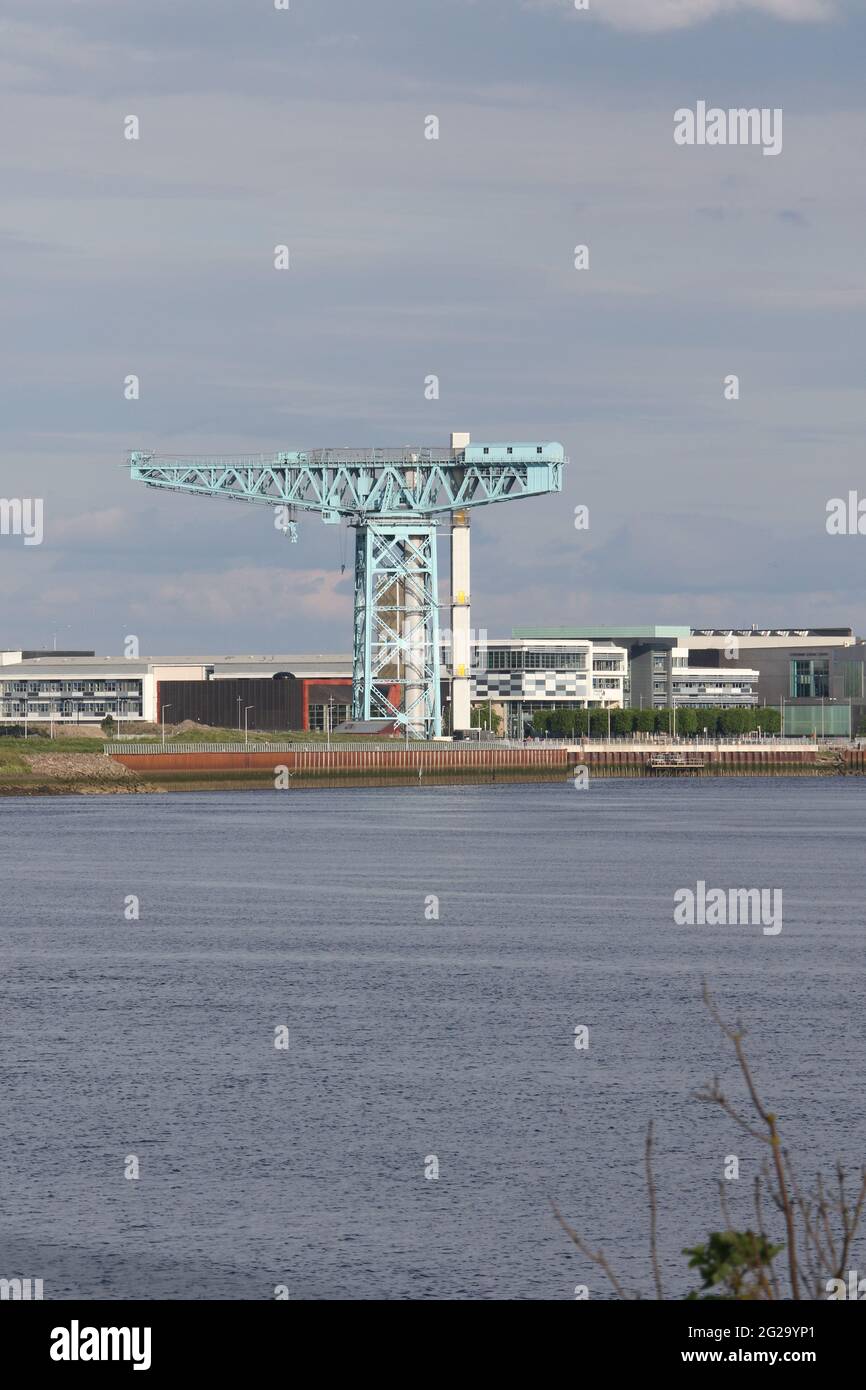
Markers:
{"x": 461, "y": 714}
{"x": 413, "y": 628}
{"x": 414, "y": 631}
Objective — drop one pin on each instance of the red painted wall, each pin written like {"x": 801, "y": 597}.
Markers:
{"x": 307, "y": 682}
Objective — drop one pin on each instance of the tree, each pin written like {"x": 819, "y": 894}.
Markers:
{"x": 484, "y": 716}
{"x": 560, "y": 722}
{"x": 598, "y": 723}
{"x": 107, "y": 726}
{"x": 622, "y": 722}
{"x": 740, "y": 1264}
{"x": 734, "y": 721}
{"x": 707, "y": 719}
{"x": 687, "y": 722}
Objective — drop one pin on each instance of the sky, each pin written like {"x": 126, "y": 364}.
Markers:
{"x": 413, "y": 257}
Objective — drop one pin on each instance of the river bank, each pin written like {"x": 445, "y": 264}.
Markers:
{"x": 125, "y": 769}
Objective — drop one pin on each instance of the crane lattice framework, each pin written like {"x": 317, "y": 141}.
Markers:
{"x": 394, "y": 498}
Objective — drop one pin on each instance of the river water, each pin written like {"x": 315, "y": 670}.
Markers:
{"x": 413, "y": 1040}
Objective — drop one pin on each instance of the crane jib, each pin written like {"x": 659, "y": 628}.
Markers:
{"x": 369, "y": 486}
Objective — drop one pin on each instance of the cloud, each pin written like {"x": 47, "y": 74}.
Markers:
{"x": 232, "y": 595}
{"x": 656, "y": 15}
{"x": 109, "y": 523}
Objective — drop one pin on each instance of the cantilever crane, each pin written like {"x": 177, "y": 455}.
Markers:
{"x": 394, "y": 499}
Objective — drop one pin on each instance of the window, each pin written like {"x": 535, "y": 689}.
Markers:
{"x": 486, "y": 450}
{"x": 319, "y": 716}
{"x": 510, "y": 450}
{"x": 501, "y": 659}
{"x": 810, "y": 678}
{"x": 538, "y": 449}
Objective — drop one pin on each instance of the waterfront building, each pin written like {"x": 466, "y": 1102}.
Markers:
{"x": 516, "y": 677}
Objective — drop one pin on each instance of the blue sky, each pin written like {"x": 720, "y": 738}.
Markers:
{"x": 412, "y": 257}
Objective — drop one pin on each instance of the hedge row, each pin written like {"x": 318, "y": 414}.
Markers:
{"x": 569, "y": 723}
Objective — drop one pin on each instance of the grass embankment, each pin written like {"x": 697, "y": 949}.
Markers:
{"x": 199, "y": 734}
{"x": 46, "y": 767}
{"x": 74, "y": 762}
{"x": 40, "y": 766}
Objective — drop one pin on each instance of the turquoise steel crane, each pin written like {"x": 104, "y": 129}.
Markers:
{"x": 394, "y": 498}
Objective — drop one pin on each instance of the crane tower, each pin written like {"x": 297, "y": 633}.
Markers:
{"x": 394, "y": 498}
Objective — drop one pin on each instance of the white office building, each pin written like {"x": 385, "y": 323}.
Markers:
{"x": 710, "y": 687}
{"x": 519, "y": 676}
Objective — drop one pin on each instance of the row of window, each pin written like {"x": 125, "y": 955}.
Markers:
{"x": 63, "y": 709}
{"x": 703, "y": 686}
{"x": 527, "y": 706}
{"x": 70, "y": 687}
{"x": 700, "y": 692}
{"x": 504, "y": 659}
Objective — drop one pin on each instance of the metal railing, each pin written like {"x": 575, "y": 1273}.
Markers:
{"x": 206, "y": 746}
{"x": 653, "y": 743}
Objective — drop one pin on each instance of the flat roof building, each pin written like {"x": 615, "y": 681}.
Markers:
{"x": 793, "y": 663}
{"x": 522, "y": 675}
{"x": 649, "y": 650}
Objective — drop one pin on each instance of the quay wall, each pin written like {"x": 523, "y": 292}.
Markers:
{"x": 629, "y": 761}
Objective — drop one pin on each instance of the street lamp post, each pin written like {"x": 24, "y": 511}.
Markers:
{"x": 247, "y": 709}
{"x": 240, "y": 702}
{"x": 162, "y": 715}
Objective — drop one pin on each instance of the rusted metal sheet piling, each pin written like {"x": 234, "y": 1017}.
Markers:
{"x": 441, "y": 761}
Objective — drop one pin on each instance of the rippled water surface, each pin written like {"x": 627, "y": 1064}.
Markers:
{"x": 408, "y": 1036}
